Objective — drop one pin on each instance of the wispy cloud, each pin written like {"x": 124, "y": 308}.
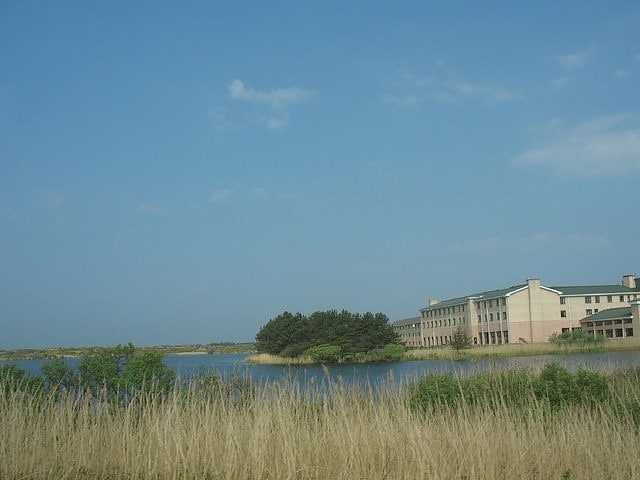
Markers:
{"x": 447, "y": 87}
{"x": 278, "y": 98}
{"x": 575, "y": 60}
{"x": 268, "y": 107}
{"x": 603, "y": 145}
{"x": 221, "y": 196}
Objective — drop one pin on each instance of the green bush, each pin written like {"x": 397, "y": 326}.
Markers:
{"x": 14, "y": 378}
{"x": 325, "y": 353}
{"x": 515, "y": 389}
{"x": 394, "y": 352}
{"x": 576, "y": 337}
{"x": 435, "y": 390}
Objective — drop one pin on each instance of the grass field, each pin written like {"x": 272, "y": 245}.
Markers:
{"x": 280, "y": 432}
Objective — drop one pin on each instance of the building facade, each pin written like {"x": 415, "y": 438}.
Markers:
{"x": 526, "y": 313}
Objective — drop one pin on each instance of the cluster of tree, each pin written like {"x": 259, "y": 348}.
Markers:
{"x": 331, "y": 334}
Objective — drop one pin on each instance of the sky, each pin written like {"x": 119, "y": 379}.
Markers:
{"x": 182, "y": 172}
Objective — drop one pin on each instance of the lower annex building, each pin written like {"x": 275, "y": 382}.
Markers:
{"x": 527, "y": 313}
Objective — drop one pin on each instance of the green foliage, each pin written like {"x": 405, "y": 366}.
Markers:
{"x": 517, "y": 389}
{"x": 147, "y": 372}
{"x": 118, "y": 371}
{"x": 324, "y": 353}
{"x": 394, "y": 352}
{"x": 291, "y": 335}
{"x": 576, "y": 337}
{"x": 460, "y": 339}
{"x": 57, "y": 374}
{"x": 14, "y": 378}
{"x": 435, "y": 390}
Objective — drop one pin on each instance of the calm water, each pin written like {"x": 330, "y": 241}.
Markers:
{"x": 371, "y": 373}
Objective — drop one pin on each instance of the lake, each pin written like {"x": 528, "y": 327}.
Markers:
{"x": 373, "y": 374}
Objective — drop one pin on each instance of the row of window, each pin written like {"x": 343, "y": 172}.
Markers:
{"x": 491, "y": 318}
{"x": 447, "y": 322}
{"x": 596, "y": 299}
{"x": 488, "y": 338}
{"x": 489, "y": 303}
{"x": 437, "y": 312}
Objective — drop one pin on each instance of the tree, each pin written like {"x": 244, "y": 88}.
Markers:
{"x": 57, "y": 374}
{"x": 290, "y": 335}
{"x": 460, "y": 339}
{"x": 119, "y": 372}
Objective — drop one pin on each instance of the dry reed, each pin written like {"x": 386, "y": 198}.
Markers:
{"x": 285, "y": 433}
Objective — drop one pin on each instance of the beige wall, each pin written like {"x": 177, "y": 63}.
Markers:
{"x": 530, "y": 315}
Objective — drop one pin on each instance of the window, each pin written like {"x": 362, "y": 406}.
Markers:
{"x": 622, "y": 298}
{"x": 563, "y": 313}
{"x": 563, "y": 300}
{"x": 597, "y": 299}
{"x": 491, "y": 317}
{"x": 609, "y": 298}
{"x": 504, "y": 315}
{"x": 479, "y": 318}
{"x": 595, "y": 310}
{"x": 504, "y": 301}
{"x": 587, "y": 299}
{"x": 589, "y": 311}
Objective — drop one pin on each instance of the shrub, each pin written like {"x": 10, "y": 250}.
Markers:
{"x": 435, "y": 390}
{"x": 324, "y": 353}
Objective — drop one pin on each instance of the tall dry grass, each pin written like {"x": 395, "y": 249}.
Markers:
{"x": 284, "y": 433}
{"x": 518, "y": 349}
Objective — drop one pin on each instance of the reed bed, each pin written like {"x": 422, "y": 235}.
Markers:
{"x": 514, "y": 350}
{"x": 334, "y": 432}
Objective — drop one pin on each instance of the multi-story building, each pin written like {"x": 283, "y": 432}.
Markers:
{"x": 410, "y": 331}
{"x": 526, "y": 313}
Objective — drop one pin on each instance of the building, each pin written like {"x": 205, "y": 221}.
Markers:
{"x": 526, "y": 313}
{"x": 410, "y": 331}
{"x": 614, "y": 322}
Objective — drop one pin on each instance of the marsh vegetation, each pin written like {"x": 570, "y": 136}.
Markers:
{"x": 496, "y": 425}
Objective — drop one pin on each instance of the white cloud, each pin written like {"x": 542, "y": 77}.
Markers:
{"x": 221, "y": 196}
{"x": 603, "y": 145}
{"x": 445, "y": 87}
{"x": 266, "y": 108}
{"x": 575, "y": 60}
{"x": 276, "y": 98}
{"x": 492, "y": 93}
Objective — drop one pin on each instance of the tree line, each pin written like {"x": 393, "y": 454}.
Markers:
{"x": 339, "y": 335}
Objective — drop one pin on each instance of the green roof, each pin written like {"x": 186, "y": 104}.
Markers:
{"x": 406, "y": 321}
{"x": 476, "y": 296}
{"x": 609, "y": 314}
{"x": 577, "y": 290}
{"x": 596, "y": 290}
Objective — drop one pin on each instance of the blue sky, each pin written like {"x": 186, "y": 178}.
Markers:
{"x": 182, "y": 172}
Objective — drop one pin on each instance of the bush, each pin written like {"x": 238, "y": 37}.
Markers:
{"x": 515, "y": 389}
{"x": 324, "y": 353}
{"x": 435, "y": 390}
{"x": 576, "y": 337}
{"x": 394, "y": 352}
